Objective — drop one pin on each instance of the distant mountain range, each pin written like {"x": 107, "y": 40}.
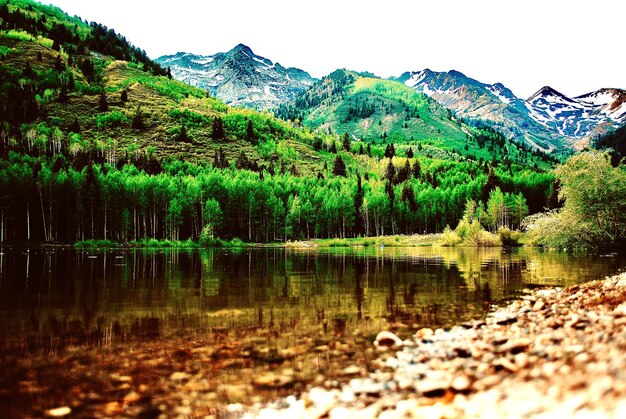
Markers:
{"x": 239, "y": 77}
{"x": 548, "y": 120}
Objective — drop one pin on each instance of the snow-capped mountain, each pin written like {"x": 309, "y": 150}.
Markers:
{"x": 239, "y": 77}
{"x": 548, "y": 119}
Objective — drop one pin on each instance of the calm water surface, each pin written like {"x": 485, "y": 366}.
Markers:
{"x": 55, "y": 298}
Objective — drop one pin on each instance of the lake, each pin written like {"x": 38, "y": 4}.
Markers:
{"x": 54, "y": 299}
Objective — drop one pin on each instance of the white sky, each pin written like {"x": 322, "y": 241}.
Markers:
{"x": 573, "y": 46}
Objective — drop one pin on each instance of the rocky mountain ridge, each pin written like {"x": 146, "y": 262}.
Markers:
{"x": 548, "y": 119}
{"x": 239, "y": 77}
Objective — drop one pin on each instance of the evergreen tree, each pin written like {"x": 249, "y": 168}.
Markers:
{"x": 408, "y": 196}
{"x": 59, "y": 65}
{"x": 390, "y": 151}
{"x": 404, "y": 172}
{"x": 250, "y": 136}
{"x": 223, "y": 160}
{"x": 63, "y": 93}
{"x": 28, "y": 71}
{"x": 390, "y": 171}
{"x": 103, "y": 105}
{"x": 124, "y": 96}
{"x": 417, "y": 169}
{"x": 74, "y": 127}
{"x": 339, "y": 167}
{"x": 359, "y": 195}
{"x": 333, "y": 148}
{"x": 182, "y": 134}
{"x": 409, "y": 153}
{"x": 169, "y": 73}
{"x": 242, "y": 161}
{"x": 346, "y": 141}
{"x": 218, "y": 129}
{"x": 369, "y": 150}
{"x": 361, "y": 150}
{"x": 138, "y": 124}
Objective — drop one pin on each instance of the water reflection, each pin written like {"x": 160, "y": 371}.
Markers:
{"x": 51, "y": 299}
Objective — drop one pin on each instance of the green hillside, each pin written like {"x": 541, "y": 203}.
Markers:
{"x": 97, "y": 142}
{"x": 379, "y": 112}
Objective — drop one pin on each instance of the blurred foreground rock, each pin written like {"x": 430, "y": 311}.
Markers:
{"x": 555, "y": 353}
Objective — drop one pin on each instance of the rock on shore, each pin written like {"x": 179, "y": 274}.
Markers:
{"x": 555, "y": 353}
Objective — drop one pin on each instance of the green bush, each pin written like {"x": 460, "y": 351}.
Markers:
{"x": 189, "y": 118}
{"x": 111, "y": 120}
{"x": 93, "y": 243}
{"x": 593, "y": 216}
{"x": 449, "y": 238}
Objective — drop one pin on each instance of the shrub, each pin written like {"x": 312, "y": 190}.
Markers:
{"x": 593, "y": 216}
{"x": 93, "y": 243}
{"x": 449, "y": 238}
{"x": 111, "y": 120}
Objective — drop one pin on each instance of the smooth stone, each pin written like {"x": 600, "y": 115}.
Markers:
{"x": 58, "y": 412}
{"x": 274, "y": 381}
{"x": 387, "y": 339}
{"x": 461, "y": 383}
{"x": 351, "y": 370}
{"x": 179, "y": 376}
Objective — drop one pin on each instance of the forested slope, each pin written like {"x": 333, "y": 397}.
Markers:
{"x": 97, "y": 142}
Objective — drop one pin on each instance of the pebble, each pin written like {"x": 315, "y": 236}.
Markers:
{"x": 351, "y": 370}
{"x": 179, "y": 376}
{"x": 58, "y": 412}
{"x": 132, "y": 397}
{"x": 272, "y": 380}
{"x": 387, "y": 339}
{"x": 557, "y": 353}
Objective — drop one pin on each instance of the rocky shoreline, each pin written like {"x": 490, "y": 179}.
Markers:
{"x": 555, "y": 353}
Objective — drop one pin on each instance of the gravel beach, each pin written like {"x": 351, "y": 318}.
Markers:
{"x": 555, "y": 353}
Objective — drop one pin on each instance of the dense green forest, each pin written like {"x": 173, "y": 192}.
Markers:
{"x": 97, "y": 142}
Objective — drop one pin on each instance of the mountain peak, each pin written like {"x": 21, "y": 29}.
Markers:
{"x": 240, "y": 77}
{"x": 242, "y": 48}
{"x": 456, "y": 73}
{"x": 546, "y": 91}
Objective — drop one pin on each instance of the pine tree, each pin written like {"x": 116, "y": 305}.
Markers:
{"x": 390, "y": 151}
{"x": 346, "y": 142}
{"x": 124, "y": 96}
{"x": 74, "y": 127}
{"x": 218, "y": 129}
{"x": 333, "y": 148}
{"x": 250, "y": 136}
{"x": 182, "y": 134}
{"x": 28, "y": 70}
{"x": 417, "y": 169}
{"x": 63, "y": 93}
{"x": 390, "y": 171}
{"x": 358, "y": 197}
{"x": 409, "y": 153}
{"x": 169, "y": 73}
{"x": 361, "y": 150}
{"x": 404, "y": 172}
{"x": 223, "y": 160}
{"x": 59, "y": 65}
{"x": 103, "y": 105}
{"x": 137, "y": 122}
{"x": 339, "y": 167}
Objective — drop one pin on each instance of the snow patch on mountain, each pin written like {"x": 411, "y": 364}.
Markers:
{"x": 546, "y": 120}
{"x": 239, "y": 77}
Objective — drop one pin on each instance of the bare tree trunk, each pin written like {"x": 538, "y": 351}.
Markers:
{"x": 27, "y": 220}
{"x": 43, "y": 215}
